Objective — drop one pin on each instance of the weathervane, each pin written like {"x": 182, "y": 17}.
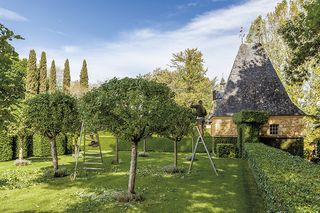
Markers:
{"x": 242, "y": 34}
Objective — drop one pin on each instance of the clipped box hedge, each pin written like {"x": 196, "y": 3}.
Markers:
{"x": 42, "y": 147}
{"x": 6, "y": 151}
{"x": 288, "y": 183}
{"x": 226, "y": 150}
{"x": 160, "y": 144}
{"x": 294, "y": 146}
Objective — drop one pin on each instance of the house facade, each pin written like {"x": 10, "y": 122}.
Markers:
{"x": 253, "y": 84}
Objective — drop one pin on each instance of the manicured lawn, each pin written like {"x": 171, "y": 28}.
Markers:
{"x": 234, "y": 190}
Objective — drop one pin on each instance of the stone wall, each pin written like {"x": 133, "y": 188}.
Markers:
{"x": 289, "y": 127}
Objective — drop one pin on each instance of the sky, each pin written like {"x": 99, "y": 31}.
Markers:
{"x": 121, "y": 38}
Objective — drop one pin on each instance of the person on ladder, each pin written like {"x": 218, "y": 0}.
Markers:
{"x": 201, "y": 113}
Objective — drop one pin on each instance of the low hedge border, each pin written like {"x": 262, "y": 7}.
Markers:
{"x": 160, "y": 144}
{"x": 294, "y": 146}
{"x": 288, "y": 183}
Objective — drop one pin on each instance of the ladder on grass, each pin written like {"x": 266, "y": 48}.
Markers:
{"x": 201, "y": 140}
{"x": 92, "y": 159}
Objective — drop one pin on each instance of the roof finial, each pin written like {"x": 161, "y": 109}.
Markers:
{"x": 242, "y": 34}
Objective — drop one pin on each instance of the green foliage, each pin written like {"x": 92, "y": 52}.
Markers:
{"x": 161, "y": 144}
{"x": 53, "y": 78}
{"x": 187, "y": 78}
{"x": 226, "y": 150}
{"x": 249, "y": 116}
{"x": 42, "y": 148}
{"x": 302, "y": 36}
{"x": 66, "y": 77}
{"x": 43, "y": 81}
{"x": 32, "y": 79}
{"x": 129, "y": 108}
{"x": 11, "y": 74}
{"x": 27, "y": 147}
{"x": 84, "y": 79}
{"x": 51, "y": 114}
{"x": 5, "y": 146}
{"x": 294, "y": 146}
{"x": 289, "y": 183}
{"x": 224, "y": 140}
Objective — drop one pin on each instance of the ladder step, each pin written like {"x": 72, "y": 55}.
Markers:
{"x": 92, "y": 168}
{"x": 90, "y": 162}
{"x": 93, "y": 157}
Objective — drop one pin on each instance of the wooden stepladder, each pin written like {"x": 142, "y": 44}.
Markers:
{"x": 201, "y": 140}
{"x": 92, "y": 158}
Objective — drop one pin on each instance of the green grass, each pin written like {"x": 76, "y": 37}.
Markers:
{"x": 32, "y": 189}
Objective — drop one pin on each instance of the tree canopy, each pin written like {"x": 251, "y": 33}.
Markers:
{"x": 186, "y": 78}
{"x": 12, "y": 74}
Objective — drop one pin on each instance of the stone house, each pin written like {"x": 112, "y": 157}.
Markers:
{"x": 253, "y": 84}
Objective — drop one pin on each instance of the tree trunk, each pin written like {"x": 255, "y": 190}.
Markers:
{"x": 145, "y": 145}
{"x": 21, "y": 143}
{"x": 175, "y": 150}
{"x": 117, "y": 150}
{"x": 54, "y": 155}
{"x": 133, "y": 168}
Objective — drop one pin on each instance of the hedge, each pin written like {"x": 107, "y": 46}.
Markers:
{"x": 226, "y": 150}
{"x": 42, "y": 148}
{"x": 159, "y": 144}
{"x": 27, "y": 147}
{"x": 223, "y": 140}
{"x": 294, "y": 146}
{"x": 6, "y": 151}
{"x": 288, "y": 183}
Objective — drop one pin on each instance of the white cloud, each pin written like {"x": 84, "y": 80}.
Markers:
{"x": 11, "y": 16}
{"x": 214, "y": 33}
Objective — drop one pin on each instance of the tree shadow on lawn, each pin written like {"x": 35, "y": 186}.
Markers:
{"x": 201, "y": 191}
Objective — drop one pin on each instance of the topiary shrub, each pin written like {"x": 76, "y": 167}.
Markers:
{"x": 225, "y": 150}
{"x": 6, "y": 152}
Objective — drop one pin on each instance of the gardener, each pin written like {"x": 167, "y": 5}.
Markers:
{"x": 201, "y": 113}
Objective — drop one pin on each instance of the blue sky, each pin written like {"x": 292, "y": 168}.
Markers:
{"x": 127, "y": 38}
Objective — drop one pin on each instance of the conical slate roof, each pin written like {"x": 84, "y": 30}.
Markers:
{"x": 253, "y": 84}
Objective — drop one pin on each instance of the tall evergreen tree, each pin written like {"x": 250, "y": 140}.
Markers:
{"x": 32, "y": 80}
{"x": 53, "y": 78}
{"x": 84, "y": 80}
{"x": 43, "y": 87}
{"x": 66, "y": 77}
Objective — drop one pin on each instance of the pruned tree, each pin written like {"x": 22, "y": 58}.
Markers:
{"x": 129, "y": 108}
{"x": 53, "y": 78}
{"x": 66, "y": 77}
{"x": 51, "y": 114}
{"x": 12, "y": 78}
{"x": 32, "y": 79}
{"x": 43, "y": 81}
{"x": 177, "y": 124}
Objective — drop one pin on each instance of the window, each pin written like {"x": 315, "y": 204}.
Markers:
{"x": 274, "y": 129}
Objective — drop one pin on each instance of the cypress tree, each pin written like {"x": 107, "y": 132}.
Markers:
{"x": 43, "y": 87}
{"x": 53, "y": 78}
{"x": 66, "y": 77}
{"x": 84, "y": 81}
{"x": 32, "y": 83}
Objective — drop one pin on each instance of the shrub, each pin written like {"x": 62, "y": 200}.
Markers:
{"x": 225, "y": 150}
{"x": 127, "y": 197}
{"x": 170, "y": 169}
{"x": 288, "y": 183}
{"x": 293, "y": 145}
{"x": 6, "y": 152}
{"x": 224, "y": 140}
{"x": 22, "y": 162}
{"x": 143, "y": 154}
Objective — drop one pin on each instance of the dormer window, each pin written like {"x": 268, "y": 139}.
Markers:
{"x": 274, "y": 129}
